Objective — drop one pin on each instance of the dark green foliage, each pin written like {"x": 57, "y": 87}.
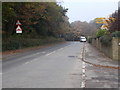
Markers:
{"x": 41, "y": 22}
{"x": 18, "y": 43}
{"x": 43, "y": 17}
{"x": 106, "y": 40}
{"x": 101, "y": 32}
{"x": 89, "y": 39}
{"x": 115, "y": 24}
{"x": 116, "y": 34}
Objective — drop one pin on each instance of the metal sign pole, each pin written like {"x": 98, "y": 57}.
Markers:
{"x": 19, "y": 31}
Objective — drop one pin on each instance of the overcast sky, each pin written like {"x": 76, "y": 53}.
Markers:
{"x": 86, "y": 10}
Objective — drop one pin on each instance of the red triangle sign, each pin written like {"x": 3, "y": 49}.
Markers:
{"x": 18, "y": 29}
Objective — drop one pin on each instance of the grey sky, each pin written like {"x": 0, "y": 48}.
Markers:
{"x": 88, "y": 10}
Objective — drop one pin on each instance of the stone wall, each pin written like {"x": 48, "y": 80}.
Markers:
{"x": 119, "y": 49}
{"x": 116, "y": 47}
{"x": 112, "y": 51}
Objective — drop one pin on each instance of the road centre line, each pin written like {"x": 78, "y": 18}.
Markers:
{"x": 50, "y": 53}
{"x": 45, "y": 55}
{"x": 43, "y": 52}
{"x": 27, "y": 62}
{"x": 62, "y": 48}
{"x": 55, "y": 51}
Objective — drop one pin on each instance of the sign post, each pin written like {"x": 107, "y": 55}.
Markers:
{"x": 19, "y": 31}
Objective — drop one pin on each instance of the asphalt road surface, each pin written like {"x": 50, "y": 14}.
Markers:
{"x": 59, "y": 66}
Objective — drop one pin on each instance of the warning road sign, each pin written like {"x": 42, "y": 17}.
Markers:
{"x": 18, "y": 22}
{"x": 18, "y": 29}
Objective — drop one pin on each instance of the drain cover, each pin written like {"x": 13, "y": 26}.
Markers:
{"x": 72, "y": 56}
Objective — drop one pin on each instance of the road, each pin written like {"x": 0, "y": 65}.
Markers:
{"x": 59, "y": 66}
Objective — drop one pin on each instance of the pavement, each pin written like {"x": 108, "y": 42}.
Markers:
{"x": 95, "y": 57}
{"x": 100, "y": 71}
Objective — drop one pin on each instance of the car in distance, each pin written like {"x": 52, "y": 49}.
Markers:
{"x": 82, "y": 39}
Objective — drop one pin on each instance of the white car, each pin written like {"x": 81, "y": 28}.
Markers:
{"x": 82, "y": 39}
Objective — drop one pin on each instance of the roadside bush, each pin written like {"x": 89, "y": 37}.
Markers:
{"x": 101, "y": 33}
{"x": 89, "y": 39}
{"x": 116, "y": 34}
{"x": 106, "y": 40}
{"x": 18, "y": 43}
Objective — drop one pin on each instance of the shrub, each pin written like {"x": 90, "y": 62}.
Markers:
{"x": 116, "y": 34}
{"x": 18, "y": 43}
{"x": 106, "y": 40}
{"x": 89, "y": 39}
{"x": 101, "y": 33}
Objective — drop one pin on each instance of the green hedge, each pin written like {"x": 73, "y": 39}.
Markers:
{"x": 89, "y": 39}
{"x": 101, "y": 33}
{"x": 106, "y": 40}
{"x": 18, "y": 43}
{"x": 116, "y": 34}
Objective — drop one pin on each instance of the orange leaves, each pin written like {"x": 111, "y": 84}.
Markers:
{"x": 105, "y": 21}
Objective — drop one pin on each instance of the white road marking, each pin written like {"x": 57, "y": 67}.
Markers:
{"x": 83, "y": 67}
{"x": 68, "y": 45}
{"x": 55, "y": 51}
{"x": 83, "y": 63}
{"x": 35, "y": 59}
{"x": 61, "y": 49}
{"x": 27, "y": 62}
{"x": 83, "y": 84}
{"x": 50, "y": 53}
{"x": 31, "y": 61}
{"x": 38, "y": 53}
{"x": 83, "y": 70}
{"x": 64, "y": 47}
{"x": 43, "y": 52}
{"x": 83, "y": 75}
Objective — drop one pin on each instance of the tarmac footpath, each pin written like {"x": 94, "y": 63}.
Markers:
{"x": 100, "y": 71}
{"x": 93, "y": 56}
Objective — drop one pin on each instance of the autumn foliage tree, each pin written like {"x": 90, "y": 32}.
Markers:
{"x": 110, "y": 23}
{"x": 43, "y": 18}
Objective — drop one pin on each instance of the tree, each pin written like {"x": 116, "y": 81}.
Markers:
{"x": 44, "y": 18}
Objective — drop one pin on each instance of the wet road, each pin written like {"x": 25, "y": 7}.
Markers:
{"x": 60, "y": 66}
